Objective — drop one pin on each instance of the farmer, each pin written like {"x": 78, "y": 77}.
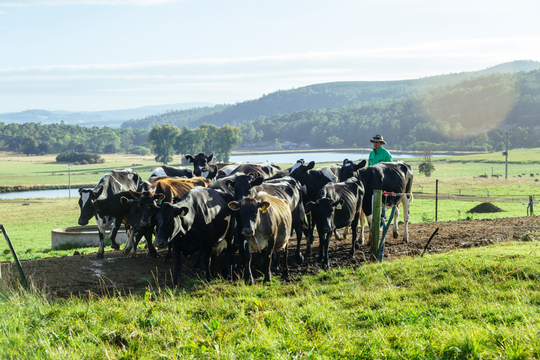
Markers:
{"x": 379, "y": 154}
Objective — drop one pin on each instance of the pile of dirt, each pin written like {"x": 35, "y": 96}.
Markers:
{"x": 485, "y": 208}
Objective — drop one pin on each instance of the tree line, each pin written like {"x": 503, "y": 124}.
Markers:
{"x": 32, "y": 138}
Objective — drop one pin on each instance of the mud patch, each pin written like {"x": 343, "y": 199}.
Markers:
{"x": 485, "y": 208}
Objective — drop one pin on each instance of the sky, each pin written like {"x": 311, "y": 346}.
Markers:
{"x": 91, "y": 55}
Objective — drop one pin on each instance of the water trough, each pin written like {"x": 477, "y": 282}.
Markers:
{"x": 83, "y": 235}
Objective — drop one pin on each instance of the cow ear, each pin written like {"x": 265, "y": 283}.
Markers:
{"x": 264, "y": 206}
{"x": 135, "y": 194}
{"x": 361, "y": 165}
{"x": 98, "y": 192}
{"x": 81, "y": 191}
{"x": 230, "y": 183}
{"x": 159, "y": 198}
{"x": 126, "y": 202}
{"x": 311, "y": 205}
{"x": 234, "y": 205}
{"x": 209, "y": 158}
{"x": 257, "y": 181}
{"x": 181, "y": 211}
{"x": 311, "y": 165}
{"x": 338, "y": 204}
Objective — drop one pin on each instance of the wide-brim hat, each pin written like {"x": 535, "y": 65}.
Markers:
{"x": 378, "y": 138}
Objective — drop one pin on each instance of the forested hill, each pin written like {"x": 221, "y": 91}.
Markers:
{"x": 320, "y": 96}
{"x": 472, "y": 115}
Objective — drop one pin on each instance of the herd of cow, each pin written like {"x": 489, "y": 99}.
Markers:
{"x": 245, "y": 207}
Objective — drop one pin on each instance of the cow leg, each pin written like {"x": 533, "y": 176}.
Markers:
{"x": 406, "y": 204}
{"x": 299, "y": 217}
{"x": 230, "y": 252}
{"x": 151, "y": 249}
{"x": 285, "y": 274}
{"x": 338, "y": 235}
{"x": 395, "y": 233}
{"x": 197, "y": 267}
{"x": 114, "y": 231}
{"x": 101, "y": 231}
{"x": 134, "y": 238}
{"x": 168, "y": 256}
{"x": 354, "y": 226}
{"x": 309, "y": 237}
{"x": 322, "y": 238}
{"x": 370, "y": 223}
{"x": 267, "y": 263}
{"x": 276, "y": 260}
{"x": 248, "y": 277}
{"x": 326, "y": 258}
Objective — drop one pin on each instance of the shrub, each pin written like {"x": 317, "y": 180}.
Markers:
{"x": 80, "y": 158}
{"x": 426, "y": 168}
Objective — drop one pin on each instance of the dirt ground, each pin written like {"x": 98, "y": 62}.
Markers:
{"x": 83, "y": 274}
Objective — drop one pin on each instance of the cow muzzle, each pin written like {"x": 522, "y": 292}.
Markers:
{"x": 247, "y": 232}
{"x": 83, "y": 222}
{"x": 161, "y": 243}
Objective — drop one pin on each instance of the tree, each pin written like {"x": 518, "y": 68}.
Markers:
{"x": 44, "y": 147}
{"x": 334, "y": 141}
{"x": 225, "y": 138}
{"x": 162, "y": 139}
{"x": 29, "y": 145}
{"x": 426, "y": 168}
{"x": 190, "y": 141}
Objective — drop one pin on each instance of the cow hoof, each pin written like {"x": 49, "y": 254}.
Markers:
{"x": 152, "y": 254}
{"x": 357, "y": 245}
{"x": 115, "y": 246}
{"x": 396, "y": 235}
{"x": 131, "y": 255}
{"x": 99, "y": 255}
{"x": 299, "y": 259}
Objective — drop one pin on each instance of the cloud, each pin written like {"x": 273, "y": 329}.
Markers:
{"x": 228, "y": 80}
{"x": 24, "y": 3}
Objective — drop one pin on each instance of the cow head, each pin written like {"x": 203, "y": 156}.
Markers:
{"x": 200, "y": 163}
{"x": 143, "y": 200}
{"x": 300, "y": 171}
{"x": 170, "y": 222}
{"x": 322, "y": 211}
{"x": 242, "y": 184}
{"x": 250, "y": 212}
{"x": 349, "y": 169}
{"x": 87, "y": 203}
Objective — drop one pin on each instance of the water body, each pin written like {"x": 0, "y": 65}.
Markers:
{"x": 47, "y": 194}
{"x": 291, "y": 158}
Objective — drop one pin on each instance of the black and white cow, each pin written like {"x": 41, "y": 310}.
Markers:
{"x": 266, "y": 170}
{"x": 104, "y": 203}
{"x": 312, "y": 182}
{"x": 172, "y": 171}
{"x": 338, "y": 206}
{"x": 200, "y": 221}
{"x": 202, "y": 165}
{"x": 393, "y": 177}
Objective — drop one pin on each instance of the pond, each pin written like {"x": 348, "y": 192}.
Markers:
{"x": 47, "y": 194}
{"x": 326, "y": 156}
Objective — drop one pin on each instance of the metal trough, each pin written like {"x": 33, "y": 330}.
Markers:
{"x": 83, "y": 235}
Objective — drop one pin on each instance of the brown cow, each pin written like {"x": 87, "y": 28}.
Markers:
{"x": 267, "y": 223}
{"x": 164, "y": 189}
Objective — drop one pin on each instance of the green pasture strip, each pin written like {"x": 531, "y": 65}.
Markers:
{"x": 471, "y": 169}
{"x": 521, "y": 156}
{"x": 467, "y": 304}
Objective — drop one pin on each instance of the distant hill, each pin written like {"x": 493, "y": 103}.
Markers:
{"x": 324, "y": 96}
{"x": 110, "y": 118}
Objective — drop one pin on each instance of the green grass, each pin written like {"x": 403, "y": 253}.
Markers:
{"x": 479, "y": 303}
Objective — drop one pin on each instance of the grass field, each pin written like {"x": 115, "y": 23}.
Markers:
{"x": 476, "y": 304}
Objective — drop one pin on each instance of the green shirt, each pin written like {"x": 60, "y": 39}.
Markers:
{"x": 379, "y": 155}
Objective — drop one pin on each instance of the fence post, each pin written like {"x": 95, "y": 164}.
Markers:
{"x": 531, "y": 205}
{"x": 376, "y": 224}
{"x": 436, "y": 197}
{"x": 17, "y": 262}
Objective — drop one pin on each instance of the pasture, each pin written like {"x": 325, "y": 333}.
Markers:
{"x": 479, "y": 300}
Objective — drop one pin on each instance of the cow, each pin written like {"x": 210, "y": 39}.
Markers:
{"x": 172, "y": 171}
{"x": 265, "y": 170}
{"x": 393, "y": 177}
{"x": 202, "y": 167}
{"x": 338, "y": 206}
{"x": 198, "y": 222}
{"x": 158, "y": 190}
{"x": 104, "y": 203}
{"x": 287, "y": 189}
{"x": 266, "y": 224}
{"x": 312, "y": 181}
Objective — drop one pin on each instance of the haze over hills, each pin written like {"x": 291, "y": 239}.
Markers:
{"x": 324, "y": 96}
{"x": 110, "y": 118}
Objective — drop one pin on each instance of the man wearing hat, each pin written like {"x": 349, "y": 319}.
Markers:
{"x": 379, "y": 154}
